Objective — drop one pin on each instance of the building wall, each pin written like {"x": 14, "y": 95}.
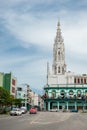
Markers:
{"x": 1, "y": 79}
{"x": 21, "y": 91}
{"x": 10, "y": 83}
{"x": 58, "y": 90}
{"x": 13, "y": 85}
{"x": 36, "y": 99}
{"x": 7, "y": 81}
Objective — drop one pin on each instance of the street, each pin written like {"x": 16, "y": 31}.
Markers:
{"x": 45, "y": 121}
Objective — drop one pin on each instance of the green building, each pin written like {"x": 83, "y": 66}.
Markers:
{"x": 9, "y": 82}
{"x": 1, "y": 79}
{"x": 64, "y": 90}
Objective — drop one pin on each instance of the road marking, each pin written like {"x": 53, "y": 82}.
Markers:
{"x": 35, "y": 119}
{"x": 44, "y": 122}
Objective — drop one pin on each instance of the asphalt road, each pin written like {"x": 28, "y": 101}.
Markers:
{"x": 45, "y": 121}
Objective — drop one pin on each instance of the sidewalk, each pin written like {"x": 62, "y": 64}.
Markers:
{"x": 4, "y": 115}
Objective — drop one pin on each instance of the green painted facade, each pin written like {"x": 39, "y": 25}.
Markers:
{"x": 65, "y": 98}
{"x": 7, "y": 81}
{"x": 1, "y": 79}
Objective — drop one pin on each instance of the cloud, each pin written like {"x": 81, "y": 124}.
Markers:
{"x": 42, "y": 32}
{"x": 32, "y": 24}
{"x": 29, "y": 29}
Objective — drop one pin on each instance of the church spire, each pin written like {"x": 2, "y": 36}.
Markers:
{"x": 58, "y": 23}
{"x": 58, "y": 38}
{"x": 59, "y": 66}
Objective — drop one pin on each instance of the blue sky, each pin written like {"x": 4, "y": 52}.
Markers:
{"x": 27, "y": 32}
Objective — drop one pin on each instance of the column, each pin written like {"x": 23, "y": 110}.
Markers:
{"x": 75, "y": 106}
{"x": 48, "y": 106}
{"x": 44, "y": 106}
{"x": 58, "y": 106}
{"x": 67, "y": 106}
{"x": 83, "y": 106}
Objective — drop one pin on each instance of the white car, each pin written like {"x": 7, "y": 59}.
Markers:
{"x": 23, "y": 109}
{"x": 54, "y": 110}
{"x": 15, "y": 111}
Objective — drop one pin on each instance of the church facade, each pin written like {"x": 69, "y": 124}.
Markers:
{"x": 64, "y": 89}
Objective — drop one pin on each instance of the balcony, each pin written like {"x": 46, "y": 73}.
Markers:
{"x": 72, "y": 98}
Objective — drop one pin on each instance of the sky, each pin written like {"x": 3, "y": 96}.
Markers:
{"x": 27, "y": 32}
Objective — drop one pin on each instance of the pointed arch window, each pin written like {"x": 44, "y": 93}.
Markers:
{"x": 63, "y": 70}
{"x": 58, "y": 55}
{"x": 55, "y": 69}
{"x": 59, "y": 69}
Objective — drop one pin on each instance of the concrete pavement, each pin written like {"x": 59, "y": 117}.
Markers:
{"x": 45, "y": 121}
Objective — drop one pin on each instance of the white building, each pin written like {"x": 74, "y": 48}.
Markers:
{"x": 64, "y": 89}
{"x": 22, "y": 93}
{"x": 30, "y": 98}
{"x": 59, "y": 74}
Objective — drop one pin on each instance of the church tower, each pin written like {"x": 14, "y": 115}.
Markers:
{"x": 59, "y": 66}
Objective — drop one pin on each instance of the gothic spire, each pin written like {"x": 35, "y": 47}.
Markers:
{"x": 58, "y": 24}
{"x": 58, "y": 38}
{"x": 59, "y": 66}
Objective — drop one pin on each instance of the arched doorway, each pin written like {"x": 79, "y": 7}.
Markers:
{"x": 53, "y": 105}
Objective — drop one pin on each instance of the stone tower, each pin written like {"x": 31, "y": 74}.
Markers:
{"x": 59, "y": 66}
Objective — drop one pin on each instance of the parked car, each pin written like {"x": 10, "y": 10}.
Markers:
{"x": 33, "y": 110}
{"x": 73, "y": 110}
{"x": 54, "y": 110}
{"x": 23, "y": 109}
{"x": 15, "y": 111}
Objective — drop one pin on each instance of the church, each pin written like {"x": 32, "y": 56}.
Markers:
{"x": 64, "y": 89}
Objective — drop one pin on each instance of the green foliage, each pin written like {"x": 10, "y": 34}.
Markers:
{"x": 17, "y": 102}
{"x": 5, "y": 97}
{"x": 8, "y": 100}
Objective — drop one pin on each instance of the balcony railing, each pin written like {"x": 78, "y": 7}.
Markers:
{"x": 66, "y": 97}
{"x": 65, "y": 85}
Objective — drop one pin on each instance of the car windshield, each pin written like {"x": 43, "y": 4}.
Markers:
{"x": 15, "y": 109}
{"x": 33, "y": 108}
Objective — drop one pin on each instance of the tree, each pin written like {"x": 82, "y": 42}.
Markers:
{"x": 18, "y": 101}
{"x": 5, "y": 97}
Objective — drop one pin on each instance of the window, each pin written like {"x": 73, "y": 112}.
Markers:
{"x": 75, "y": 80}
{"x": 58, "y": 69}
{"x": 19, "y": 94}
{"x": 55, "y": 69}
{"x": 86, "y": 93}
{"x": 53, "y": 93}
{"x": 58, "y": 55}
{"x": 13, "y": 82}
{"x": 84, "y": 80}
{"x": 13, "y": 90}
{"x": 19, "y": 89}
{"x": 79, "y": 93}
{"x": 71, "y": 92}
{"x": 62, "y": 70}
{"x": 78, "y": 81}
{"x": 62, "y": 92}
